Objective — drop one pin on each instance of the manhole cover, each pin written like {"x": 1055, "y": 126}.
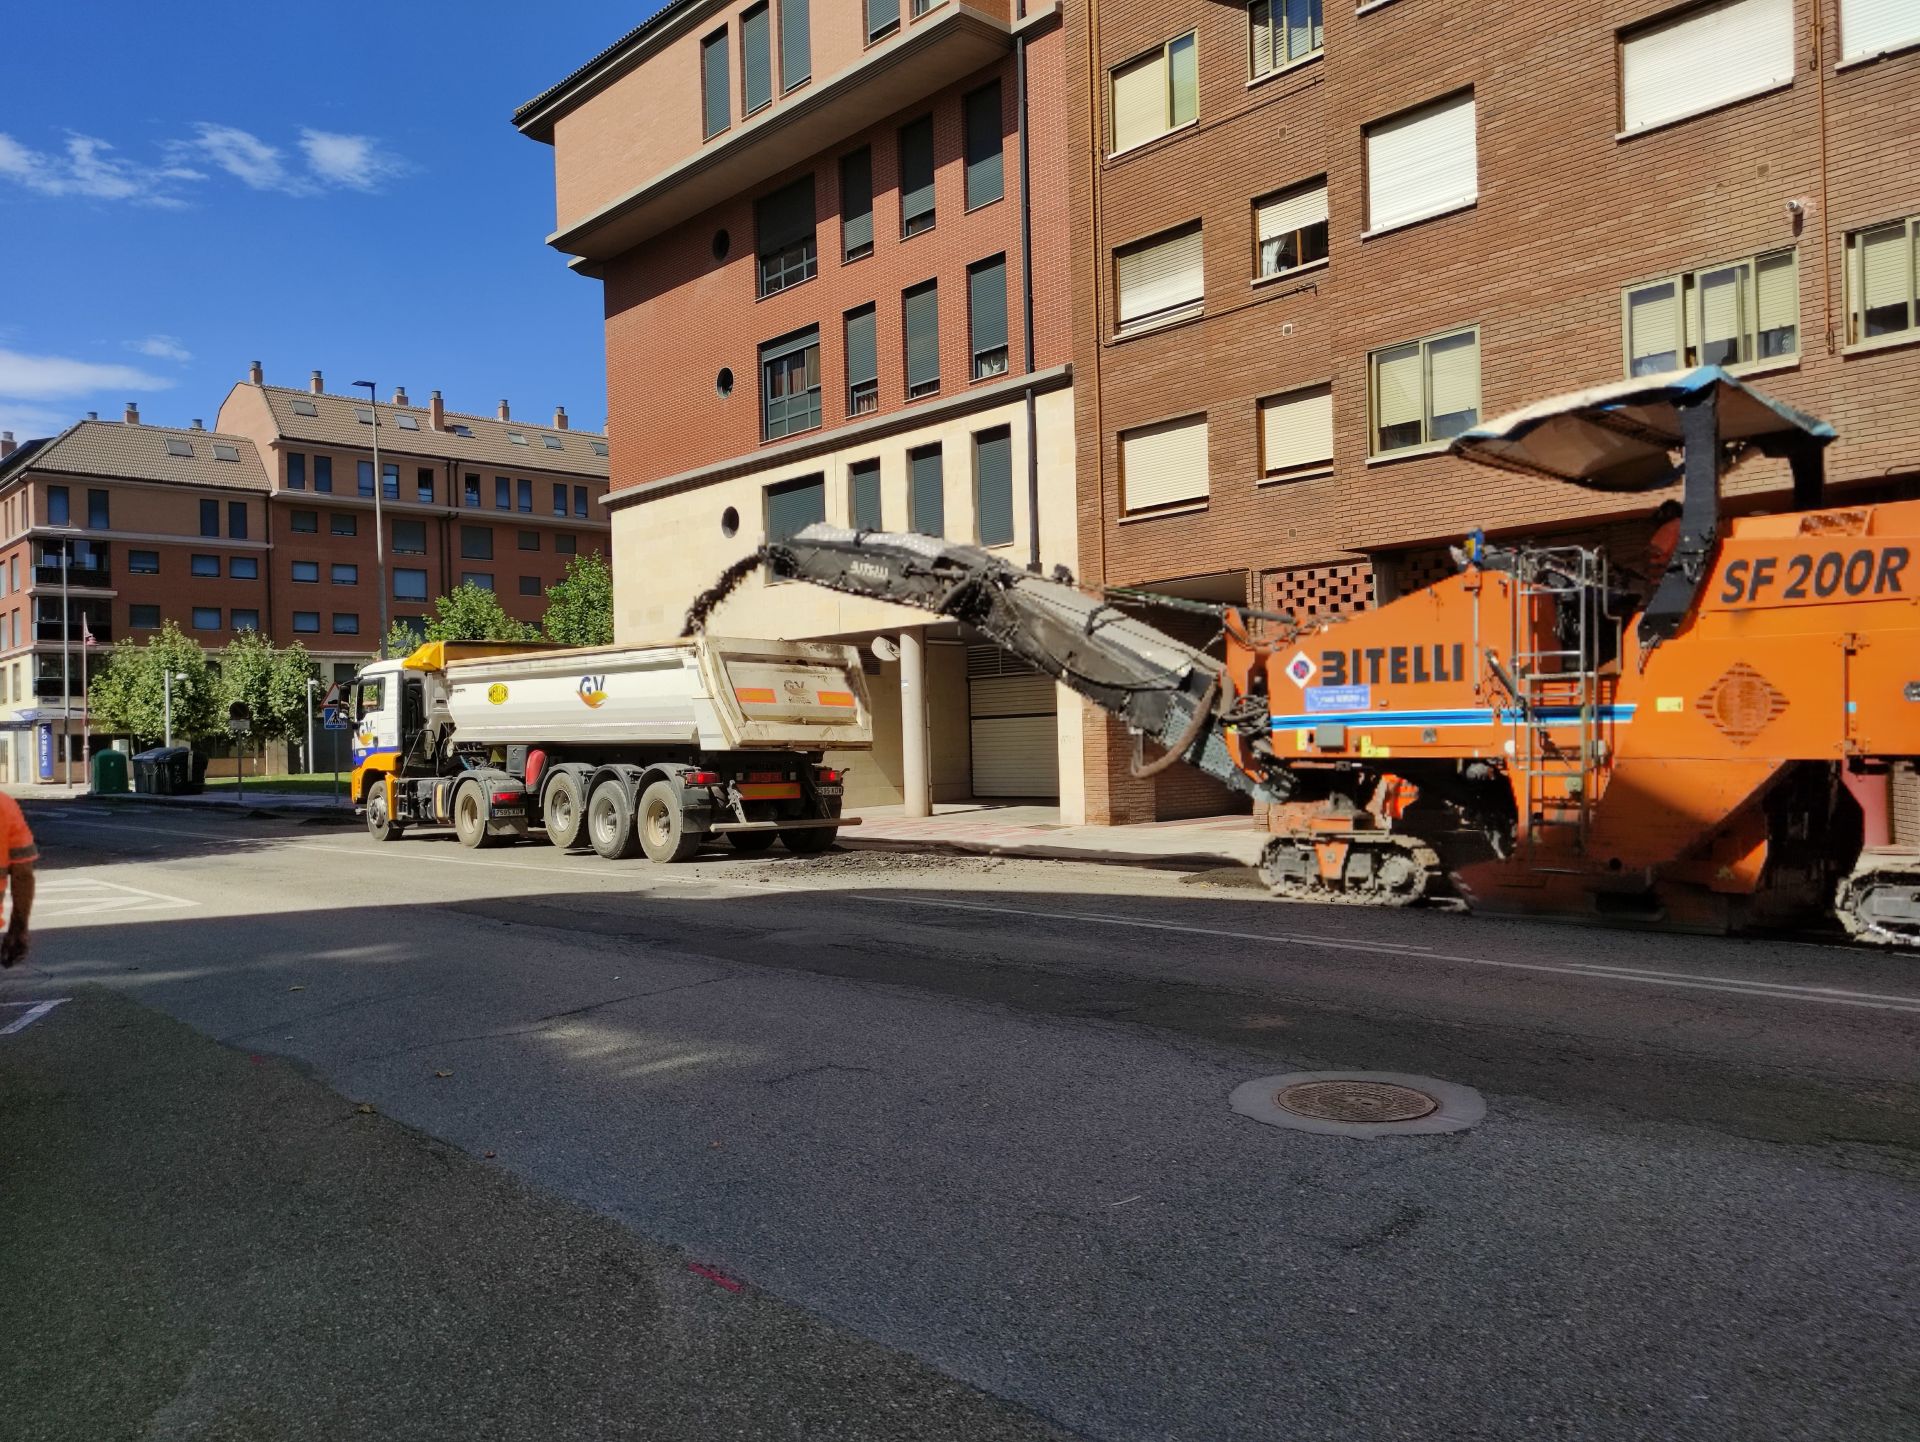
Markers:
{"x": 1356, "y": 1101}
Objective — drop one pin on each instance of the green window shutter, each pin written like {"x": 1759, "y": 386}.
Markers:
{"x": 1184, "y": 74}
{"x": 792, "y": 506}
{"x": 796, "y": 43}
{"x": 987, "y": 304}
{"x": 856, "y": 204}
{"x": 863, "y": 360}
{"x": 926, "y": 492}
{"x": 922, "y": 307}
{"x": 784, "y": 218}
{"x": 865, "y": 480}
{"x": 756, "y": 58}
{"x": 882, "y": 15}
{"x": 916, "y": 175}
{"x": 985, "y": 171}
{"x": 993, "y": 485}
{"x": 713, "y": 83}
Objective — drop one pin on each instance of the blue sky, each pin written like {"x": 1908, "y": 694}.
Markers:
{"x": 188, "y": 187}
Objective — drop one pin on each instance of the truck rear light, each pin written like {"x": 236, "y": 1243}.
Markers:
{"x": 701, "y": 778}
{"x": 827, "y": 774}
{"x": 509, "y": 796}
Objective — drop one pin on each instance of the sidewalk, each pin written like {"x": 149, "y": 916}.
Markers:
{"x": 1037, "y": 831}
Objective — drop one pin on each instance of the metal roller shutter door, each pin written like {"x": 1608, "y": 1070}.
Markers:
{"x": 1906, "y": 804}
{"x": 1013, "y": 712}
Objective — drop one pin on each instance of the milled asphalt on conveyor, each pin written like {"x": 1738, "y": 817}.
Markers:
{"x": 999, "y": 1140}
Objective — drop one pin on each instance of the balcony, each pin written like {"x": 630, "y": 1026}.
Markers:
{"x": 49, "y": 632}
{"x": 100, "y": 577}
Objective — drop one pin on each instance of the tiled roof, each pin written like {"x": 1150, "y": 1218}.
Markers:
{"x": 114, "y": 451}
{"x": 336, "y": 422}
{"x": 668, "y": 9}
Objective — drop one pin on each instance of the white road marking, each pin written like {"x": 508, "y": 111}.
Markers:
{"x": 60, "y": 895}
{"x": 35, "y": 1010}
{"x": 1593, "y": 971}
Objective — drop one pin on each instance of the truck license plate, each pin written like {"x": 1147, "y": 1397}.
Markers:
{"x": 829, "y": 790}
{"x": 509, "y": 812}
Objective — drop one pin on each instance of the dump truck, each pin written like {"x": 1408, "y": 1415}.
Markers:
{"x": 1542, "y": 731}
{"x": 626, "y": 749}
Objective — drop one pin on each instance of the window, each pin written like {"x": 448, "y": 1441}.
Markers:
{"x": 1704, "y": 58}
{"x": 306, "y": 522}
{"x": 244, "y": 620}
{"x": 783, "y": 227}
{"x": 305, "y": 408}
{"x": 503, "y": 493}
{"x": 364, "y": 472}
{"x": 564, "y": 545}
{"x": 144, "y": 618}
{"x": 559, "y": 499}
{"x": 224, "y": 452}
{"x": 306, "y": 621}
{"x": 863, "y": 362}
{"x": 410, "y": 538}
{"x": 1160, "y": 279}
{"x": 346, "y": 623}
{"x": 916, "y": 176}
{"x": 923, "y": 7}
{"x": 883, "y": 18}
{"x": 1875, "y": 27}
{"x": 209, "y": 517}
{"x": 59, "y": 512}
{"x": 407, "y": 423}
{"x": 323, "y": 473}
{"x": 1156, "y": 93}
{"x": 553, "y": 443}
{"x": 342, "y": 523}
{"x": 97, "y": 514}
{"x": 529, "y": 585}
{"x": 792, "y": 506}
{"x": 856, "y": 204}
{"x": 296, "y": 471}
{"x": 987, "y": 316}
{"x": 993, "y": 486}
{"x": 470, "y": 491}
{"x": 796, "y": 44}
{"x": 524, "y": 496}
{"x": 307, "y": 573}
{"x": 237, "y": 520}
{"x": 204, "y": 566}
{"x": 1290, "y": 229}
{"x": 599, "y": 448}
{"x": 921, "y": 314}
{"x": 480, "y": 580}
{"x": 756, "y": 59}
{"x": 476, "y": 543}
{"x": 143, "y": 563}
{"x": 529, "y": 540}
{"x": 717, "y": 103}
{"x": 363, "y": 414}
{"x": 863, "y": 501}
{"x": 423, "y": 484}
{"x": 344, "y": 573}
{"x": 517, "y": 438}
{"x": 1285, "y": 32}
{"x": 1424, "y": 392}
{"x": 243, "y": 568}
{"x": 986, "y": 178}
{"x": 460, "y": 428}
{"x": 206, "y": 618}
{"x": 580, "y": 502}
{"x": 1422, "y": 163}
{"x": 1296, "y": 434}
{"x": 790, "y": 384}
{"x": 1883, "y": 280}
{"x": 1732, "y": 314}
{"x": 1163, "y": 465}
{"x": 926, "y": 491}
{"x": 179, "y": 448}
{"x": 409, "y": 585}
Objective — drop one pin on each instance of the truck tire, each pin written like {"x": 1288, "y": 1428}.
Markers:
{"x": 610, "y": 822}
{"x": 752, "y": 843}
{"x": 809, "y": 841}
{"x": 565, "y": 813}
{"x": 380, "y": 825}
{"x": 663, "y": 825}
{"x": 470, "y": 817}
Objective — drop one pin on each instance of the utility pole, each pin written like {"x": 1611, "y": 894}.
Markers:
{"x": 379, "y": 522}
{"x": 66, "y": 661}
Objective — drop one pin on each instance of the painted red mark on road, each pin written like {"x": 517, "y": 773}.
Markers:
{"x": 719, "y": 1279}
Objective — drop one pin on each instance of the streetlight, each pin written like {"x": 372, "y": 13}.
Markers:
{"x": 167, "y": 678}
{"x": 379, "y": 521}
{"x": 312, "y": 686}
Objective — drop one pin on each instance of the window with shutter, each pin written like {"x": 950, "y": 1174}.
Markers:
{"x": 1702, "y": 59}
{"x": 1284, "y": 32}
{"x": 1883, "y": 280}
{"x": 1876, "y": 27}
{"x": 792, "y": 506}
{"x": 926, "y": 491}
{"x": 784, "y": 231}
{"x": 987, "y": 316}
{"x": 863, "y": 500}
{"x": 986, "y": 180}
{"x": 856, "y": 204}
{"x": 1296, "y": 434}
{"x": 1159, "y": 279}
{"x": 1733, "y": 314}
{"x": 1424, "y": 392}
{"x": 883, "y": 18}
{"x": 921, "y": 314}
{"x": 993, "y": 485}
{"x": 1153, "y": 94}
{"x": 1423, "y": 163}
{"x": 1654, "y": 328}
{"x": 1290, "y": 229}
{"x": 756, "y": 58}
{"x": 1163, "y": 465}
{"x": 916, "y": 177}
{"x": 790, "y": 384}
{"x": 715, "y": 97}
{"x": 863, "y": 362}
{"x": 796, "y": 43}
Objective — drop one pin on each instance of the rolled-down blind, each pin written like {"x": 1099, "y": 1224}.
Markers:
{"x": 1653, "y": 328}
{"x": 1704, "y": 58}
{"x": 864, "y": 477}
{"x": 1883, "y": 267}
{"x": 1421, "y": 163}
{"x": 1296, "y": 430}
{"x": 796, "y": 43}
{"x": 993, "y": 485}
{"x": 926, "y": 491}
{"x": 1164, "y": 465}
{"x": 786, "y": 217}
{"x": 987, "y": 304}
{"x": 923, "y": 336}
{"x": 1160, "y": 276}
{"x": 1720, "y": 309}
{"x": 1868, "y": 27}
{"x": 756, "y": 58}
{"x": 863, "y": 360}
{"x": 881, "y": 14}
{"x": 716, "y": 102}
{"x": 856, "y": 202}
{"x": 1453, "y": 374}
{"x": 792, "y": 506}
{"x": 1396, "y": 381}
{"x": 1777, "y": 289}
{"x": 985, "y": 171}
{"x": 916, "y": 170}
{"x": 1295, "y": 210}
{"x": 1140, "y": 101}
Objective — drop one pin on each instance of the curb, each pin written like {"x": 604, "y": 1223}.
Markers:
{"x": 324, "y": 815}
{"x": 1039, "y": 851}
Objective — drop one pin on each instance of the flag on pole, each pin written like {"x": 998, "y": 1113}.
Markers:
{"x": 86, "y": 631}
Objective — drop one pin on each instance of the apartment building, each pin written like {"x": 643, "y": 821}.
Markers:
{"x": 812, "y": 223}
{"x": 1313, "y": 241}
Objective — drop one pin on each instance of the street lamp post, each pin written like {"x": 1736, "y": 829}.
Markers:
{"x": 66, "y": 662}
{"x": 379, "y": 522}
{"x": 311, "y": 685}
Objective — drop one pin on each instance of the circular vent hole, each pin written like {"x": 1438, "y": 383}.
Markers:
{"x": 730, "y": 522}
{"x": 723, "y": 383}
{"x": 722, "y": 243}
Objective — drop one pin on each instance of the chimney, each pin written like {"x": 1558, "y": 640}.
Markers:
{"x": 256, "y": 376}
{"x": 504, "y": 415}
{"x": 6, "y": 444}
{"x": 437, "y": 412}
{"x": 196, "y": 424}
{"x": 400, "y": 396}
{"x": 93, "y": 415}
{"x": 316, "y": 385}
{"x": 559, "y": 418}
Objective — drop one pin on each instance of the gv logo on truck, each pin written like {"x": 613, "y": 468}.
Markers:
{"x": 593, "y": 690}
{"x": 497, "y": 694}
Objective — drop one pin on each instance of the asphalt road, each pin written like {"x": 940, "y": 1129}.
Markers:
{"x": 975, "y": 1112}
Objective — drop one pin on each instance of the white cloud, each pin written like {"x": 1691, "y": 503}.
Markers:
{"x": 45, "y": 377}
{"x": 161, "y": 347}
{"x": 90, "y": 167}
{"x": 87, "y": 166}
{"x": 241, "y": 154}
{"x": 356, "y": 161}
{"x": 28, "y": 421}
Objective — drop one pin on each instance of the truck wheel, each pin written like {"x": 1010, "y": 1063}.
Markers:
{"x": 565, "y": 816}
{"x": 610, "y": 822}
{"x": 381, "y": 826}
{"x": 470, "y": 817}
{"x": 810, "y": 841}
{"x": 663, "y": 825}
{"x": 751, "y": 843}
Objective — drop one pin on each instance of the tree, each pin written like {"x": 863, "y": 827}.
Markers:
{"x": 466, "y": 613}
{"x": 273, "y": 683}
{"x": 580, "y": 605}
{"x": 128, "y": 695}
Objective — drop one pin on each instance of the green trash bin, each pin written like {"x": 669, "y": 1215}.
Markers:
{"x": 110, "y": 774}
